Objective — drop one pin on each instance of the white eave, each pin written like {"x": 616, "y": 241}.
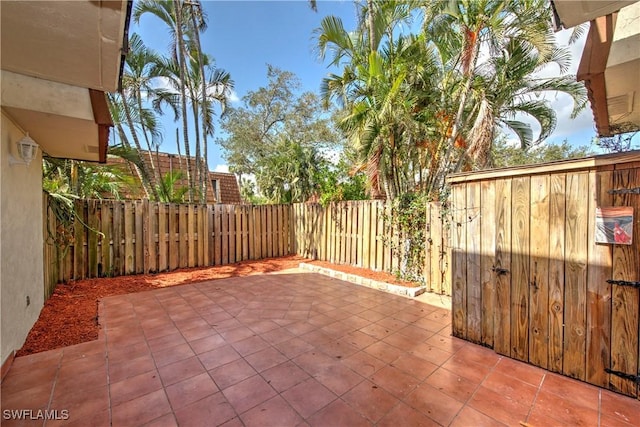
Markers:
{"x": 57, "y": 60}
{"x": 610, "y": 63}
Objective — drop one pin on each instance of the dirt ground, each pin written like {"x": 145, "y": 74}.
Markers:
{"x": 70, "y": 316}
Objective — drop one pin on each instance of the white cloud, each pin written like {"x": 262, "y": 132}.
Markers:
{"x": 222, "y": 168}
{"x": 233, "y": 97}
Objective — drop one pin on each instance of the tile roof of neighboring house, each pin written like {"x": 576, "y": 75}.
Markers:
{"x": 226, "y": 184}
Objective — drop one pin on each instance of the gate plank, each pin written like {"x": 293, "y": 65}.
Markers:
{"x": 575, "y": 316}
{"x": 488, "y": 254}
{"x": 92, "y": 241}
{"x": 459, "y": 261}
{"x": 520, "y": 208}
{"x": 539, "y": 270}
{"x": 107, "y": 226}
{"x": 599, "y": 269}
{"x": 139, "y": 243}
{"x": 163, "y": 259}
{"x": 129, "y": 235}
{"x": 502, "y": 319}
{"x": 473, "y": 283}
{"x": 556, "y": 270}
{"x": 173, "y": 236}
{"x": 624, "y": 322}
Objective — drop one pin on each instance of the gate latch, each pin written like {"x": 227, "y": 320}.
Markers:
{"x": 631, "y": 377}
{"x": 624, "y": 283}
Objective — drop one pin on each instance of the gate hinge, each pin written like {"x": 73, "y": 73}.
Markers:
{"x": 625, "y": 191}
{"x": 634, "y": 378}
{"x": 624, "y": 283}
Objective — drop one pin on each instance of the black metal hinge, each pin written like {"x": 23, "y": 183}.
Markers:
{"x": 624, "y": 283}
{"x": 634, "y": 378}
{"x": 625, "y": 191}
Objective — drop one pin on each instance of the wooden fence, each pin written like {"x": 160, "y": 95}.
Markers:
{"x": 133, "y": 237}
{"x": 358, "y": 233}
{"x": 528, "y": 278}
{"x": 113, "y": 238}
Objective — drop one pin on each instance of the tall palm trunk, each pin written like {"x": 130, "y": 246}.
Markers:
{"x": 154, "y": 169}
{"x": 183, "y": 93}
{"x": 203, "y": 105}
{"x": 146, "y": 182}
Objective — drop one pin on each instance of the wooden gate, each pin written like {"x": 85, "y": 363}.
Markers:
{"x": 529, "y": 279}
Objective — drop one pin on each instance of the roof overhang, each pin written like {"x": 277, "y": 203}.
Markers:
{"x": 570, "y": 13}
{"x": 610, "y": 63}
{"x": 58, "y": 60}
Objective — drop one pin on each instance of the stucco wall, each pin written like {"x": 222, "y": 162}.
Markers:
{"x": 21, "y": 243}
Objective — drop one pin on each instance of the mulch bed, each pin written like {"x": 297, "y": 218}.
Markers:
{"x": 70, "y": 316}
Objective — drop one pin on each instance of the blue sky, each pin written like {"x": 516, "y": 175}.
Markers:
{"x": 244, "y": 36}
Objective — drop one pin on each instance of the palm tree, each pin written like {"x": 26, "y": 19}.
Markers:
{"x": 508, "y": 87}
{"x": 138, "y": 84}
{"x": 174, "y": 15}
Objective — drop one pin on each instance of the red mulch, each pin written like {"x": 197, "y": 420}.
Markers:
{"x": 70, "y": 316}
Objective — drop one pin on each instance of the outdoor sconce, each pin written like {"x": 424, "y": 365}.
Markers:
{"x": 27, "y": 150}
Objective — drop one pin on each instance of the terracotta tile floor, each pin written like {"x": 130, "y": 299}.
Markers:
{"x": 295, "y": 349}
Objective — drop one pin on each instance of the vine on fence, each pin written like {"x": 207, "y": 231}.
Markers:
{"x": 407, "y": 222}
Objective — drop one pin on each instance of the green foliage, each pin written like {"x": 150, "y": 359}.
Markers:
{"x": 169, "y": 191}
{"x": 277, "y": 136}
{"x": 504, "y": 154}
{"x": 337, "y": 184}
{"x": 408, "y": 223}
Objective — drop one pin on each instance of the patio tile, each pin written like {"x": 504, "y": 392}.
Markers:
{"x": 505, "y": 409}
{"x": 164, "y": 342}
{"x": 284, "y": 376}
{"x": 338, "y": 414}
{"x": 207, "y": 343}
{"x": 414, "y": 366}
{"x": 265, "y": 359}
{"x": 620, "y": 408}
{"x": 237, "y": 334}
{"x": 338, "y": 378}
{"x": 248, "y": 393}
{"x": 274, "y": 412}
{"x": 168, "y": 420}
{"x": 382, "y": 370}
{"x": 36, "y": 397}
{"x": 472, "y": 371}
{"x": 250, "y": 345}
{"x": 232, "y": 373}
{"x": 293, "y": 347}
{"x": 395, "y": 381}
{"x": 470, "y": 417}
{"x": 308, "y": 397}
{"x": 178, "y": 371}
{"x": 213, "y": 410}
{"x": 82, "y": 404}
{"x": 172, "y": 354}
{"x": 71, "y": 381}
{"x": 364, "y": 363}
{"x": 190, "y": 390}
{"x": 130, "y": 368}
{"x": 521, "y": 392}
{"x": 523, "y": 372}
{"x": 434, "y": 404}
{"x": 431, "y": 353}
{"x": 404, "y": 415}
{"x": 566, "y": 411}
{"x": 370, "y": 400}
{"x": 451, "y": 384}
{"x": 579, "y": 393}
{"x": 383, "y": 351}
{"x": 131, "y": 388}
{"x": 218, "y": 357}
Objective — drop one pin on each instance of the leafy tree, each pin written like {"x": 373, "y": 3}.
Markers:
{"x": 504, "y": 154}
{"x": 277, "y": 137}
